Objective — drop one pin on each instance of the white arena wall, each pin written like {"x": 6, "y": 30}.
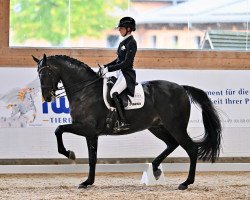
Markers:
{"x": 40, "y": 143}
{"x": 37, "y": 139}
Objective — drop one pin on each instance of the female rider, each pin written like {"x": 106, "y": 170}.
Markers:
{"x": 123, "y": 65}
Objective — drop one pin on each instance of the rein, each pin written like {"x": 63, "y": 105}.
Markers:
{"x": 61, "y": 88}
{"x": 70, "y": 86}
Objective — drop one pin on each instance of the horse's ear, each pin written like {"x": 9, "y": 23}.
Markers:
{"x": 35, "y": 59}
{"x": 44, "y": 58}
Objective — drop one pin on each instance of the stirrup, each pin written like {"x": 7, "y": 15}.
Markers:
{"x": 124, "y": 126}
{"x": 121, "y": 126}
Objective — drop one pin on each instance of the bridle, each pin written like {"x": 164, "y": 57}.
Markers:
{"x": 53, "y": 76}
{"x": 56, "y": 79}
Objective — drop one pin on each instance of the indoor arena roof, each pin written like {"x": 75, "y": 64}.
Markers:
{"x": 199, "y": 11}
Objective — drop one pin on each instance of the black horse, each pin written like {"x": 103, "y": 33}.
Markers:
{"x": 165, "y": 113}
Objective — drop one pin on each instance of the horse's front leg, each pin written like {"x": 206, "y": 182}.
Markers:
{"x": 92, "y": 143}
{"x": 59, "y": 131}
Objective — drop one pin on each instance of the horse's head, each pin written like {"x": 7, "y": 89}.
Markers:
{"x": 48, "y": 77}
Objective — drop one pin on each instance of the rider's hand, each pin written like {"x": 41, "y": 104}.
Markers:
{"x": 104, "y": 70}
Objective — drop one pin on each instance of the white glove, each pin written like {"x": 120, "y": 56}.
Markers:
{"x": 104, "y": 70}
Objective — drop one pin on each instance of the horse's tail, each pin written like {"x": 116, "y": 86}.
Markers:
{"x": 209, "y": 145}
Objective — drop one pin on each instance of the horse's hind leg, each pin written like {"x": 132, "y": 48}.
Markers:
{"x": 161, "y": 133}
{"x": 191, "y": 148}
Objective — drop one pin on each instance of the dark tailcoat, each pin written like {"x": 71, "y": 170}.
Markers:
{"x": 124, "y": 62}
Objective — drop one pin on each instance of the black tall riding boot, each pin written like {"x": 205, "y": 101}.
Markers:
{"x": 123, "y": 125}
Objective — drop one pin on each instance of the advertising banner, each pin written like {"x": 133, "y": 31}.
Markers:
{"x": 21, "y": 103}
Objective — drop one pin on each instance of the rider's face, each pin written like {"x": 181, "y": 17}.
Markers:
{"x": 122, "y": 31}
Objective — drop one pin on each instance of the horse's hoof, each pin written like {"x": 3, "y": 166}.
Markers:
{"x": 82, "y": 186}
{"x": 182, "y": 187}
{"x": 72, "y": 155}
{"x": 157, "y": 174}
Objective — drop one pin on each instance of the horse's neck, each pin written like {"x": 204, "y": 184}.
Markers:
{"x": 75, "y": 79}
{"x": 70, "y": 76}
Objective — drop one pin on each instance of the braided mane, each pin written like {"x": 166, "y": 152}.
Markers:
{"x": 73, "y": 61}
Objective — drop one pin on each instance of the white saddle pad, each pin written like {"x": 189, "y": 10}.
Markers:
{"x": 136, "y": 102}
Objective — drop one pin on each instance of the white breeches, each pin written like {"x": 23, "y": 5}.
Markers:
{"x": 119, "y": 86}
